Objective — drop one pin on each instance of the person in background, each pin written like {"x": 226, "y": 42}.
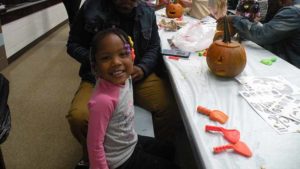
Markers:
{"x": 112, "y": 141}
{"x": 72, "y": 7}
{"x": 152, "y": 90}
{"x": 273, "y": 7}
{"x": 186, "y": 3}
{"x": 199, "y": 9}
{"x": 232, "y": 4}
{"x": 217, "y": 8}
{"x": 281, "y": 35}
{"x": 249, "y": 9}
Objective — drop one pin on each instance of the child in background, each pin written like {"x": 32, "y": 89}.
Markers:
{"x": 199, "y": 9}
{"x": 218, "y": 9}
{"x": 112, "y": 141}
{"x": 249, "y": 9}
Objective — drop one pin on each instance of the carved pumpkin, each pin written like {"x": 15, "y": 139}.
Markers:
{"x": 226, "y": 58}
{"x": 174, "y": 10}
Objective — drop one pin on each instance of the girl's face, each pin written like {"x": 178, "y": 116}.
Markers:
{"x": 113, "y": 60}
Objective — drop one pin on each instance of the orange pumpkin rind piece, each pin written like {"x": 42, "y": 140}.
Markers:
{"x": 203, "y": 110}
{"x": 218, "y": 116}
{"x": 215, "y": 115}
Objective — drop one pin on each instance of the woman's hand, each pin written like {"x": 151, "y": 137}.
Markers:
{"x": 220, "y": 24}
{"x": 137, "y": 73}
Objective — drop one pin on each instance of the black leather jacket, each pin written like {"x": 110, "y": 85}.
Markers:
{"x": 5, "y": 119}
{"x": 96, "y": 15}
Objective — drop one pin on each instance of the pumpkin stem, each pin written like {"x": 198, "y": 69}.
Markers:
{"x": 226, "y": 37}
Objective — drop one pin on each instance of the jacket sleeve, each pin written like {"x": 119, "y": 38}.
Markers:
{"x": 150, "y": 58}
{"x": 280, "y": 27}
{"x": 101, "y": 110}
{"x": 78, "y": 42}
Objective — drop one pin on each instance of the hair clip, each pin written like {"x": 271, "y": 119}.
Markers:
{"x": 130, "y": 41}
{"x": 132, "y": 54}
{"x": 127, "y": 47}
{"x": 129, "y": 50}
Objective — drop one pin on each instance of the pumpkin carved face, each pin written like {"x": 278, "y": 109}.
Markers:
{"x": 174, "y": 10}
{"x": 226, "y": 58}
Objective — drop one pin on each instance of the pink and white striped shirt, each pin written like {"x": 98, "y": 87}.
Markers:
{"x": 111, "y": 136}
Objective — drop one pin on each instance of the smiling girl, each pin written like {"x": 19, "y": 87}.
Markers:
{"x": 112, "y": 141}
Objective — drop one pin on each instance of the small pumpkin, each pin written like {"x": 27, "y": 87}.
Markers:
{"x": 174, "y": 10}
{"x": 226, "y": 58}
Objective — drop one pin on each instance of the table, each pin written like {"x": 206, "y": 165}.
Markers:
{"x": 194, "y": 85}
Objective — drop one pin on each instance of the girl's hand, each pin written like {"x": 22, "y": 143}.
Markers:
{"x": 137, "y": 73}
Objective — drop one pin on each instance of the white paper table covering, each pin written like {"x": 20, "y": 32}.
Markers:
{"x": 195, "y": 85}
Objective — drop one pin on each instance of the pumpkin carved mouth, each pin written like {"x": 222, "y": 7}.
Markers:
{"x": 220, "y": 72}
{"x": 220, "y": 69}
{"x": 172, "y": 13}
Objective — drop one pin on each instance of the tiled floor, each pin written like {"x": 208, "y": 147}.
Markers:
{"x": 42, "y": 84}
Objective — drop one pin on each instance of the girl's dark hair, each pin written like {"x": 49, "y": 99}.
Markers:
{"x": 100, "y": 36}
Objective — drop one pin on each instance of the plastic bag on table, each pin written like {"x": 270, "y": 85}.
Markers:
{"x": 193, "y": 37}
{"x": 5, "y": 120}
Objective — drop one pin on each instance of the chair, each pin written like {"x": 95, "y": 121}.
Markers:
{"x": 5, "y": 120}
{"x": 143, "y": 122}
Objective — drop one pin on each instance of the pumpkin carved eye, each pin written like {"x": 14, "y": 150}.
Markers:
{"x": 220, "y": 60}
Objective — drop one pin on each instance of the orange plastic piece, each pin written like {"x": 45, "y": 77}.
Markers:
{"x": 215, "y": 115}
{"x": 231, "y": 135}
{"x": 240, "y": 148}
{"x": 174, "y": 57}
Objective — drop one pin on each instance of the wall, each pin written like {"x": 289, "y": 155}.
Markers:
{"x": 20, "y": 33}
